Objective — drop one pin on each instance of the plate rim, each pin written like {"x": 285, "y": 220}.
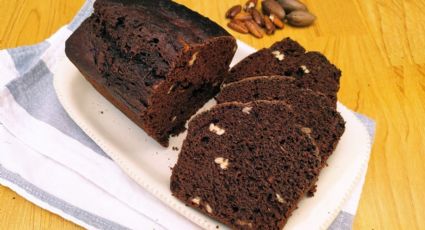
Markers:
{"x": 180, "y": 207}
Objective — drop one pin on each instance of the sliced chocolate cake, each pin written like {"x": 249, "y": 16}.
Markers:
{"x": 287, "y": 58}
{"x": 157, "y": 61}
{"x": 246, "y": 165}
{"x": 311, "y": 109}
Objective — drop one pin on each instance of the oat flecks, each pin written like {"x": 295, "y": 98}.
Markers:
{"x": 193, "y": 59}
{"x": 280, "y": 56}
{"x": 224, "y": 163}
{"x": 304, "y": 68}
{"x": 208, "y": 208}
{"x": 280, "y": 198}
{"x": 196, "y": 200}
{"x": 216, "y": 129}
{"x": 173, "y": 119}
{"x": 246, "y": 110}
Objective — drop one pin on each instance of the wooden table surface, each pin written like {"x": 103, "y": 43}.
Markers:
{"x": 378, "y": 44}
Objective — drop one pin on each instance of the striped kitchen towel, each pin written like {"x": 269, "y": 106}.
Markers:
{"x": 46, "y": 158}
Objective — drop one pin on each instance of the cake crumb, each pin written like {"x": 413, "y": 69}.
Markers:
{"x": 306, "y": 130}
{"x": 101, "y": 112}
{"x": 175, "y": 148}
{"x": 270, "y": 179}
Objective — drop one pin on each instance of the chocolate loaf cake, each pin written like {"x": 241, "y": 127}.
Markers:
{"x": 246, "y": 165}
{"x": 287, "y": 58}
{"x": 156, "y": 61}
{"x": 311, "y": 109}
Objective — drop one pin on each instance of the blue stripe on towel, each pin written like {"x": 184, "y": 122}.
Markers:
{"x": 344, "y": 220}
{"x": 80, "y": 214}
{"x": 26, "y": 57}
{"x": 85, "y": 11}
{"x": 35, "y": 93}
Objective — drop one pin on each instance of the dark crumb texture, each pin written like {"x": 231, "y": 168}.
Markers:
{"x": 246, "y": 165}
{"x": 311, "y": 109}
{"x": 287, "y": 58}
{"x": 157, "y": 61}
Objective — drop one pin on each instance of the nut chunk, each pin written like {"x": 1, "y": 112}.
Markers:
{"x": 156, "y": 61}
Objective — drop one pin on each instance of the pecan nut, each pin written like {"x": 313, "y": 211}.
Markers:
{"x": 238, "y": 26}
{"x": 272, "y": 7}
{"x": 276, "y": 21}
{"x": 300, "y": 18}
{"x": 233, "y": 11}
{"x": 254, "y": 29}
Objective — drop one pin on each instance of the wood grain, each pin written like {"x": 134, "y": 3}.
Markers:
{"x": 379, "y": 45}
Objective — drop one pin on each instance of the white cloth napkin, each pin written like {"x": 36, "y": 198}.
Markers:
{"x": 46, "y": 158}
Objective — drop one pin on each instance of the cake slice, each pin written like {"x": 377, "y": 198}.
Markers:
{"x": 156, "y": 61}
{"x": 287, "y": 58}
{"x": 311, "y": 109}
{"x": 246, "y": 164}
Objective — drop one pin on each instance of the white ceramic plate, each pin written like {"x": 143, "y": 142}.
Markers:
{"x": 149, "y": 164}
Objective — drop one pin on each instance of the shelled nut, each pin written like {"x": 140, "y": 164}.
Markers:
{"x": 254, "y": 29}
{"x": 246, "y": 18}
{"x": 269, "y": 26}
{"x": 243, "y": 16}
{"x": 276, "y": 21}
{"x": 238, "y": 26}
{"x": 258, "y": 18}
